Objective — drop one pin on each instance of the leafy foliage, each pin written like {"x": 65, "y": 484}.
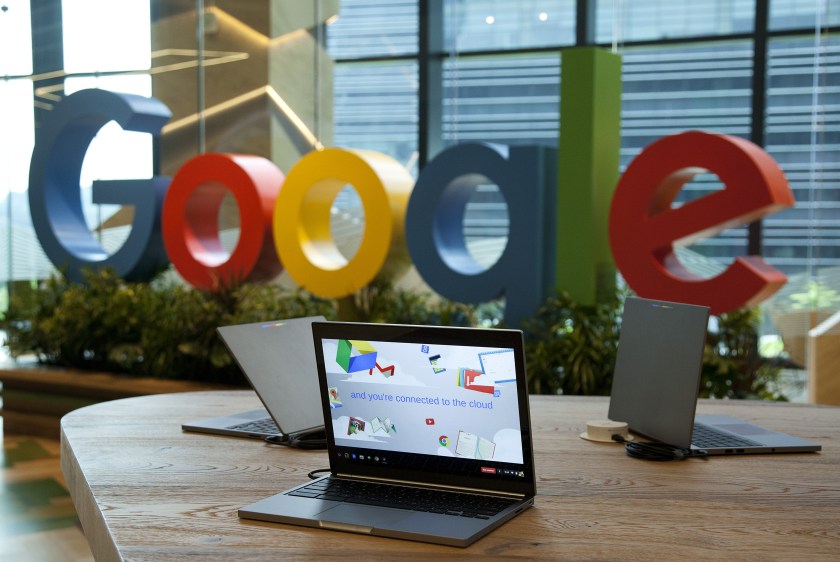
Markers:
{"x": 732, "y": 364}
{"x": 380, "y": 302}
{"x": 167, "y": 330}
{"x": 161, "y": 330}
{"x": 570, "y": 348}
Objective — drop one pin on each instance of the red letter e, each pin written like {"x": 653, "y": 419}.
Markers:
{"x": 644, "y": 228}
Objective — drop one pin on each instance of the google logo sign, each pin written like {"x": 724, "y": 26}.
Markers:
{"x": 285, "y": 217}
{"x": 444, "y": 440}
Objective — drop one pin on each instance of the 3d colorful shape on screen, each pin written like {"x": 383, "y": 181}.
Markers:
{"x": 467, "y": 380}
{"x": 355, "y": 355}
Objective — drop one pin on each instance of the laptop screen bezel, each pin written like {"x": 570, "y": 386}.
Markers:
{"x": 430, "y": 335}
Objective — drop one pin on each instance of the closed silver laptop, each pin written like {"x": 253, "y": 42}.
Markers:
{"x": 657, "y": 379}
{"x": 278, "y": 360}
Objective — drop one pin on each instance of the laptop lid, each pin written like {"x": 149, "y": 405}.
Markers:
{"x": 658, "y": 367}
{"x": 278, "y": 360}
{"x": 423, "y": 404}
{"x": 657, "y": 379}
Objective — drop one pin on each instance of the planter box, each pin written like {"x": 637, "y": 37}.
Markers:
{"x": 35, "y": 396}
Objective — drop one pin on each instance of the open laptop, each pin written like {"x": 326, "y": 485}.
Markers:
{"x": 657, "y": 379}
{"x": 428, "y": 432}
{"x": 278, "y": 360}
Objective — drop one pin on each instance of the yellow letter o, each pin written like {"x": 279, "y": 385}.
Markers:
{"x": 302, "y": 213}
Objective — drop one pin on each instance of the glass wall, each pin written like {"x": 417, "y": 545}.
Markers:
{"x": 245, "y": 77}
{"x": 765, "y": 71}
{"x": 409, "y": 78}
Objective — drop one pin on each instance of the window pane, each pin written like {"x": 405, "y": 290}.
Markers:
{"x": 506, "y": 99}
{"x": 665, "y": 19}
{"x": 369, "y": 28}
{"x": 803, "y": 135}
{"x": 793, "y": 14}
{"x": 21, "y": 255}
{"x": 491, "y": 25}
{"x": 18, "y": 134}
{"x": 102, "y": 35}
{"x": 376, "y": 109}
{"x": 15, "y": 38}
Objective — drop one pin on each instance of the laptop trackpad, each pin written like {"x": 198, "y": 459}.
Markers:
{"x": 362, "y": 516}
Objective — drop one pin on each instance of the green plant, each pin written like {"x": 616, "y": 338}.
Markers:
{"x": 382, "y": 302}
{"x": 816, "y": 295}
{"x": 570, "y": 348}
{"x": 160, "y": 329}
{"x": 168, "y": 330}
{"x": 732, "y": 364}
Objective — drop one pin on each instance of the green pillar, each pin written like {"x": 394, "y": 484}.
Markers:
{"x": 590, "y": 138}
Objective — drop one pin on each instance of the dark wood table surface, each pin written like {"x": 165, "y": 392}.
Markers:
{"x": 145, "y": 490}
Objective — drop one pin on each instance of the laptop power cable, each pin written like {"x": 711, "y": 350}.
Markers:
{"x": 313, "y": 475}
{"x": 657, "y": 451}
{"x": 307, "y": 439}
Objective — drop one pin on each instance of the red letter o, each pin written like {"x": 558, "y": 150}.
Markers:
{"x": 190, "y": 220}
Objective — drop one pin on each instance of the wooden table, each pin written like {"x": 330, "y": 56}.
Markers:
{"x": 145, "y": 490}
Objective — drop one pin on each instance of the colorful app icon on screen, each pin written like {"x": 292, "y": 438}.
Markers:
{"x": 434, "y": 359}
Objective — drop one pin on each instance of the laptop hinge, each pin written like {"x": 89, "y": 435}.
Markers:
{"x": 432, "y": 486}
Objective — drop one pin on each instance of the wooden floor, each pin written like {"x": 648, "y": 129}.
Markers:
{"x": 37, "y": 518}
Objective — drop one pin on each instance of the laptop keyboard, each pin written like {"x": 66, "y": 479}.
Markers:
{"x": 265, "y": 425}
{"x": 404, "y": 497}
{"x": 706, "y": 437}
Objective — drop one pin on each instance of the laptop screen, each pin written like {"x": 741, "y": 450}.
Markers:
{"x": 426, "y": 403}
